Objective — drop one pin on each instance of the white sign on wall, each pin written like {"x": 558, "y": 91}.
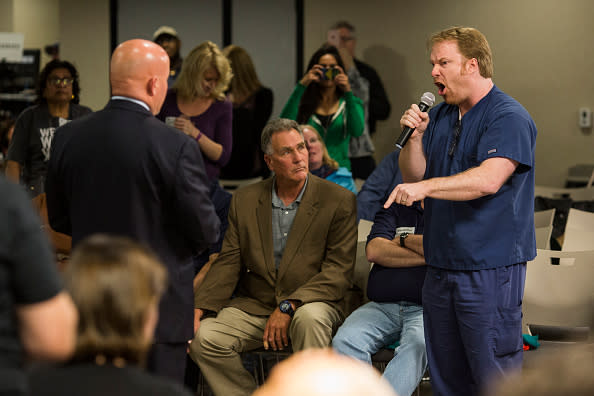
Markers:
{"x": 11, "y": 46}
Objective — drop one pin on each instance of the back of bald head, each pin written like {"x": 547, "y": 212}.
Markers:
{"x": 323, "y": 372}
{"x": 133, "y": 64}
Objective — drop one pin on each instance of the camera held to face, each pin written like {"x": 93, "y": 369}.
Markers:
{"x": 329, "y": 73}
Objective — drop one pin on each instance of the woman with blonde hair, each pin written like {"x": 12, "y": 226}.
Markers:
{"x": 252, "y": 106}
{"x": 196, "y": 105}
{"x": 320, "y": 162}
{"x": 116, "y": 285}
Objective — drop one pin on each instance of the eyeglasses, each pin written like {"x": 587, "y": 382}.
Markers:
{"x": 64, "y": 82}
{"x": 457, "y": 131}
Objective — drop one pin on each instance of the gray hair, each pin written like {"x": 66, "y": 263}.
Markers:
{"x": 343, "y": 24}
{"x": 273, "y": 126}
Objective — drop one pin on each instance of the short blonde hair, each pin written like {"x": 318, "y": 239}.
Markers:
{"x": 245, "y": 81}
{"x": 326, "y": 159}
{"x": 189, "y": 83}
{"x": 471, "y": 43}
{"x": 114, "y": 282}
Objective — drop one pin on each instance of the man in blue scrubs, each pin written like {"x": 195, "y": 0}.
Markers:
{"x": 472, "y": 159}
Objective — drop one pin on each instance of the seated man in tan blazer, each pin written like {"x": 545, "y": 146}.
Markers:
{"x": 288, "y": 254}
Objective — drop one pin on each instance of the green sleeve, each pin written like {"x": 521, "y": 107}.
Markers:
{"x": 292, "y": 106}
{"x": 355, "y": 114}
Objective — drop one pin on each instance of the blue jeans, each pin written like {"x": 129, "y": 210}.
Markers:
{"x": 376, "y": 325}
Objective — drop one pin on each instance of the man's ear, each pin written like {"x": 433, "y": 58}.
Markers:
{"x": 268, "y": 161}
{"x": 152, "y": 86}
{"x": 472, "y": 66}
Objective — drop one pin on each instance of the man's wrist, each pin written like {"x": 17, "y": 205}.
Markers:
{"x": 403, "y": 237}
{"x": 287, "y": 307}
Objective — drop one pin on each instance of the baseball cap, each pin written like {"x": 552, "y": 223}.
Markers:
{"x": 164, "y": 30}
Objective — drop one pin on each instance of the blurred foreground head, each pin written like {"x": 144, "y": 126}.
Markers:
{"x": 323, "y": 372}
{"x": 567, "y": 371}
{"x": 116, "y": 285}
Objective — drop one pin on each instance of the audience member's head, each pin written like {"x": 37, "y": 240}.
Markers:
{"x": 342, "y": 35}
{"x": 318, "y": 153}
{"x": 323, "y": 372}
{"x": 325, "y": 50}
{"x": 471, "y": 44}
{"x": 116, "y": 285}
{"x": 205, "y": 73}
{"x": 245, "y": 81}
{"x": 285, "y": 152}
{"x": 313, "y": 93}
{"x": 568, "y": 371}
{"x": 139, "y": 69}
{"x": 167, "y": 37}
{"x": 274, "y": 126}
{"x": 58, "y": 83}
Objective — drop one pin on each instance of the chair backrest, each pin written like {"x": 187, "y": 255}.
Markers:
{"x": 362, "y": 266}
{"x": 579, "y": 231}
{"x": 543, "y": 237}
{"x": 231, "y": 185}
{"x": 560, "y": 295}
{"x": 544, "y": 218}
{"x": 543, "y": 227}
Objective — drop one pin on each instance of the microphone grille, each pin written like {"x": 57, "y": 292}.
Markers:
{"x": 428, "y": 98}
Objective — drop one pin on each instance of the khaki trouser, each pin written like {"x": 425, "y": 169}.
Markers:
{"x": 219, "y": 341}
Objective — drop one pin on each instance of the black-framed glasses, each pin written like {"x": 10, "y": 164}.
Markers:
{"x": 457, "y": 130}
{"x": 64, "y": 82}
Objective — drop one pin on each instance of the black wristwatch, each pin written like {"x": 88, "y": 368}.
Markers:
{"x": 286, "y": 307}
{"x": 403, "y": 236}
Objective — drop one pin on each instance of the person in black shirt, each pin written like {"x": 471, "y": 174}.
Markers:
{"x": 394, "y": 314}
{"x": 37, "y": 318}
{"x": 57, "y": 104}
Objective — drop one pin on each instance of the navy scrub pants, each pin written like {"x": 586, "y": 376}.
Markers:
{"x": 473, "y": 326}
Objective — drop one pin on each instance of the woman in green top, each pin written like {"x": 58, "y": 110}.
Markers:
{"x": 323, "y": 99}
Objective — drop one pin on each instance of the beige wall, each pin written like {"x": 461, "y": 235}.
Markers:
{"x": 542, "y": 49}
{"x": 542, "y": 52}
{"x": 30, "y": 15}
{"x": 82, "y": 28}
{"x": 6, "y": 15}
{"x": 85, "y": 41}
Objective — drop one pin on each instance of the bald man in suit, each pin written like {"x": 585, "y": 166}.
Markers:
{"x": 122, "y": 171}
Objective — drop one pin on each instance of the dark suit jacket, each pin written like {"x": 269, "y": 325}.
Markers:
{"x": 122, "y": 171}
{"x": 317, "y": 263}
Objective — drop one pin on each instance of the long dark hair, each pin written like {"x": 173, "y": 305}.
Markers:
{"x": 312, "y": 95}
{"x": 43, "y": 76}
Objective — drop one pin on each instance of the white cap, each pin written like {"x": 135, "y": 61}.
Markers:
{"x": 165, "y": 30}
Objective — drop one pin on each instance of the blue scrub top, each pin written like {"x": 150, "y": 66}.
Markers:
{"x": 491, "y": 231}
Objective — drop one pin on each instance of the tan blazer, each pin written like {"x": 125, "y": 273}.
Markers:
{"x": 317, "y": 263}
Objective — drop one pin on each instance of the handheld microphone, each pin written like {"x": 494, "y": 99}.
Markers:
{"x": 427, "y": 101}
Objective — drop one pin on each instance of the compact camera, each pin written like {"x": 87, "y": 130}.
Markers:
{"x": 328, "y": 73}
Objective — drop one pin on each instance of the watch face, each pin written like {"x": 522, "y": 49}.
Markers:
{"x": 286, "y": 307}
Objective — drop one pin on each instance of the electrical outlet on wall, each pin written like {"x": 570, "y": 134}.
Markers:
{"x": 585, "y": 117}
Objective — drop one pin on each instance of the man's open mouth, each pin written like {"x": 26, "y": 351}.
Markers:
{"x": 441, "y": 88}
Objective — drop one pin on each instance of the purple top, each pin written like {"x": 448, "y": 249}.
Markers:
{"x": 215, "y": 122}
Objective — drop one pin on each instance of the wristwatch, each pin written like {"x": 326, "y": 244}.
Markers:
{"x": 286, "y": 307}
{"x": 403, "y": 236}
